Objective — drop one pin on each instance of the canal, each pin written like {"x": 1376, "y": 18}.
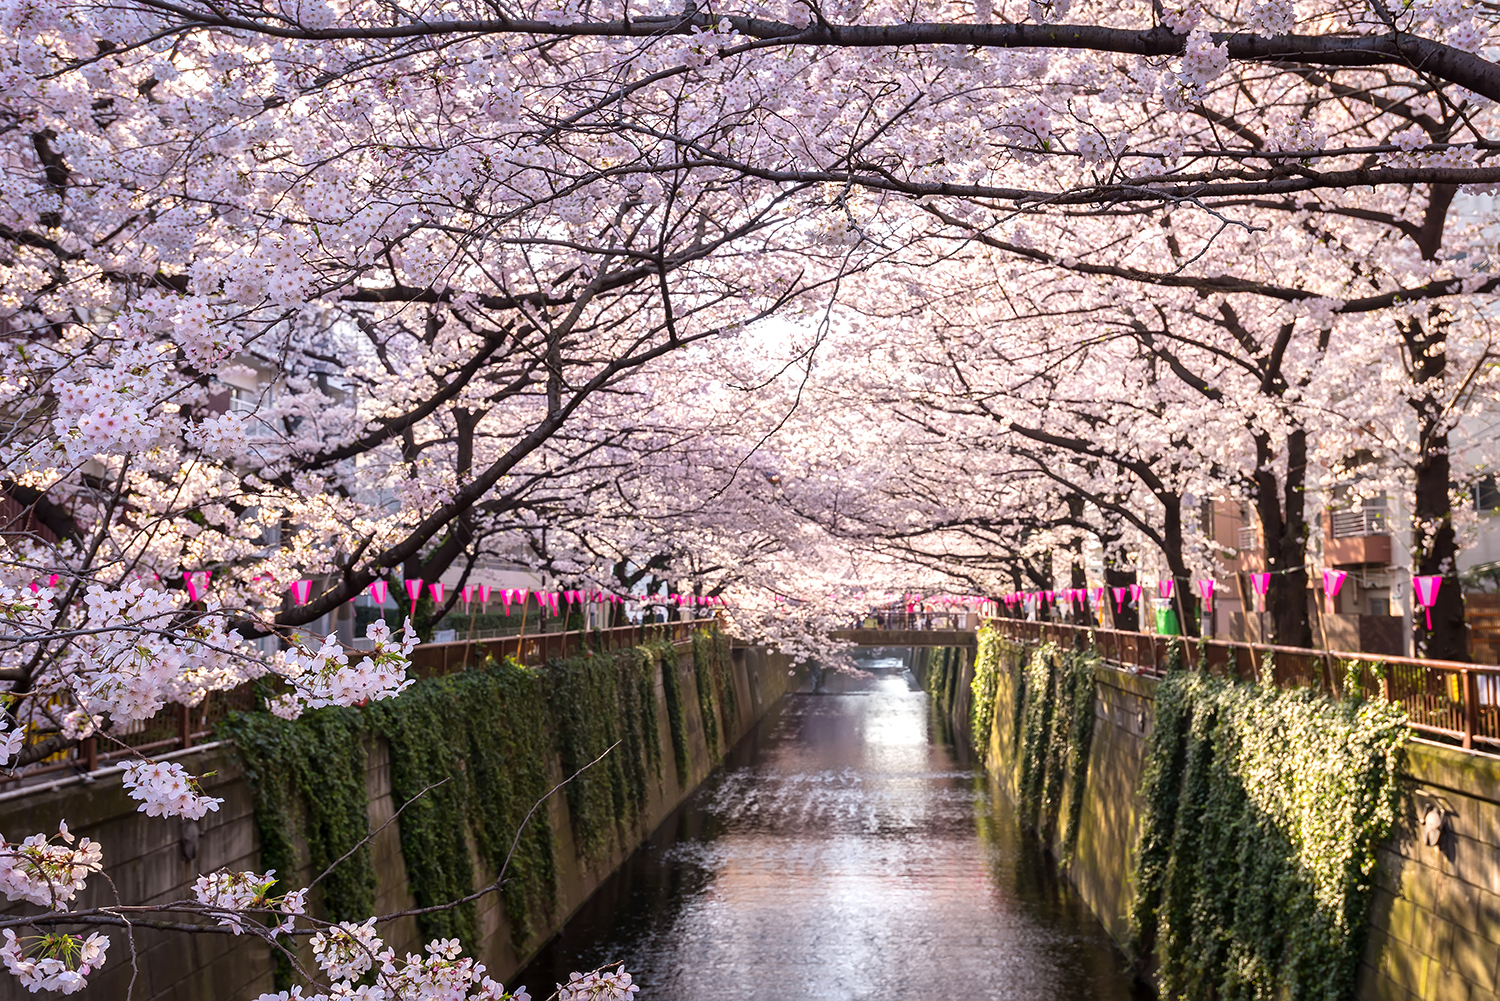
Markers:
{"x": 844, "y": 851}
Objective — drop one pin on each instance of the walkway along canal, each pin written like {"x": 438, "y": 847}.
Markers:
{"x": 846, "y": 850}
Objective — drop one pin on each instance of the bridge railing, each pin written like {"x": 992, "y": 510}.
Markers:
{"x": 1444, "y": 699}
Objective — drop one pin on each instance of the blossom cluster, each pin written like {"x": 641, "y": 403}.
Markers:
{"x": 229, "y": 893}
{"x": 347, "y": 951}
{"x": 166, "y": 789}
{"x": 598, "y": 985}
{"x": 41, "y": 871}
{"x": 53, "y": 962}
{"x": 326, "y": 678}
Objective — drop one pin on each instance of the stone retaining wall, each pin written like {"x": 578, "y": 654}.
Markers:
{"x": 152, "y": 860}
{"x": 1435, "y": 925}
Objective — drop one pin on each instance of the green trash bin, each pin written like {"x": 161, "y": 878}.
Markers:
{"x": 1166, "y": 622}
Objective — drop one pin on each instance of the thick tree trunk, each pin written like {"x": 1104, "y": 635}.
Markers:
{"x": 1181, "y": 581}
{"x": 1282, "y": 509}
{"x": 1434, "y": 546}
{"x": 1124, "y": 613}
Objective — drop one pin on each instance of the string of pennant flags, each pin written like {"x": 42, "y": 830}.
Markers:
{"x": 1424, "y": 588}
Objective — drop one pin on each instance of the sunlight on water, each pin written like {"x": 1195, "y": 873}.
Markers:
{"x": 841, "y": 854}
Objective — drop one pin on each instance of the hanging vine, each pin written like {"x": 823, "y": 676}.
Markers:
{"x": 1055, "y": 735}
{"x": 1263, "y": 811}
{"x": 665, "y": 654}
{"x": 469, "y": 759}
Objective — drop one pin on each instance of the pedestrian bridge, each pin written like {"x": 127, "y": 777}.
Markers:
{"x": 906, "y": 637}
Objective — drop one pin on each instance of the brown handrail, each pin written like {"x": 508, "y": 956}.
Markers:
{"x": 1442, "y": 698}
{"x": 176, "y": 727}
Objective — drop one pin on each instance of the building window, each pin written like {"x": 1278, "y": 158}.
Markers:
{"x": 1487, "y": 494}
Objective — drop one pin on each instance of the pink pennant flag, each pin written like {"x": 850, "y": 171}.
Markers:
{"x": 505, "y": 595}
{"x": 1120, "y": 593}
{"x": 1099, "y": 595}
{"x": 467, "y": 594}
{"x": 1048, "y": 596}
{"x": 552, "y": 600}
{"x": 1164, "y": 588}
{"x": 414, "y": 592}
{"x": 1332, "y": 581}
{"x": 1136, "y": 590}
{"x": 436, "y": 590}
{"x": 1426, "y": 589}
{"x": 484, "y": 596}
{"x": 568, "y": 595}
{"x": 301, "y": 591}
{"x": 521, "y": 596}
{"x": 189, "y": 579}
{"x": 379, "y": 591}
{"x": 1260, "y": 583}
{"x": 1206, "y": 592}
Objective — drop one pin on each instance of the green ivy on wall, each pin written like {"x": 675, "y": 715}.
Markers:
{"x": 308, "y": 782}
{"x": 1263, "y": 811}
{"x": 665, "y": 654}
{"x": 708, "y": 698}
{"x": 988, "y": 663}
{"x": 1056, "y": 726}
{"x": 598, "y": 700}
{"x": 469, "y": 757}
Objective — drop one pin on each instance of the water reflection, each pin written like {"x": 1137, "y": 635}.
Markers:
{"x": 842, "y": 853}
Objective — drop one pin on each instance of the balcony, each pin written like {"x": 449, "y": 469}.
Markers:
{"x": 1360, "y": 536}
{"x": 1245, "y": 539}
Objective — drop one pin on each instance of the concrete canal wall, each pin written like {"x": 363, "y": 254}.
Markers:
{"x": 1435, "y": 923}
{"x": 152, "y": 860}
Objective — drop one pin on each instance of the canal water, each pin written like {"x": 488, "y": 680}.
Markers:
{"x": 845, "y": 851}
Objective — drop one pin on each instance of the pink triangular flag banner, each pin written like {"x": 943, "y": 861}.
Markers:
{"x": 436, "y": 590}
{"x": 1260, "y": 583}
{"x": 467, "y": 593}
{"x": 484, "y": 596}
{"x": 1164, "y": 588}
{"x": 1120, "y": 593}
{"x": 1426, "y": 589}
{"x": 1136, "y": 590}
{"x": 379, "y": 591}
{"x": 1332, "y": 581}
{"x": 301, "y": 591}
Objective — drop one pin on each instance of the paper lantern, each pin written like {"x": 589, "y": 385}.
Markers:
{"x": 1164, "y": 588}
{"x": 379, "y": 591}
{"x": 1206, "y": 592}
{"x": 414, "y": 591}
{"x": 301, "y": 591}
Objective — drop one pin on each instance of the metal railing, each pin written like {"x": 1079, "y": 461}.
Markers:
{"x": 177, "y": 727}
{"x": 1360, "y": 521}
{"x": 537, "y": 648}
{"x": 1444, "y": 699}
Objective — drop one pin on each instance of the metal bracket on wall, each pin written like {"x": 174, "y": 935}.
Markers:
{"x": 1433, "y": 811}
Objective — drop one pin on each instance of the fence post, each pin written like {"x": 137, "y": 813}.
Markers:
{"x": 90, "y": 752}
{"x": 1471, "y": 707}
{"x": 184, "y": 726}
